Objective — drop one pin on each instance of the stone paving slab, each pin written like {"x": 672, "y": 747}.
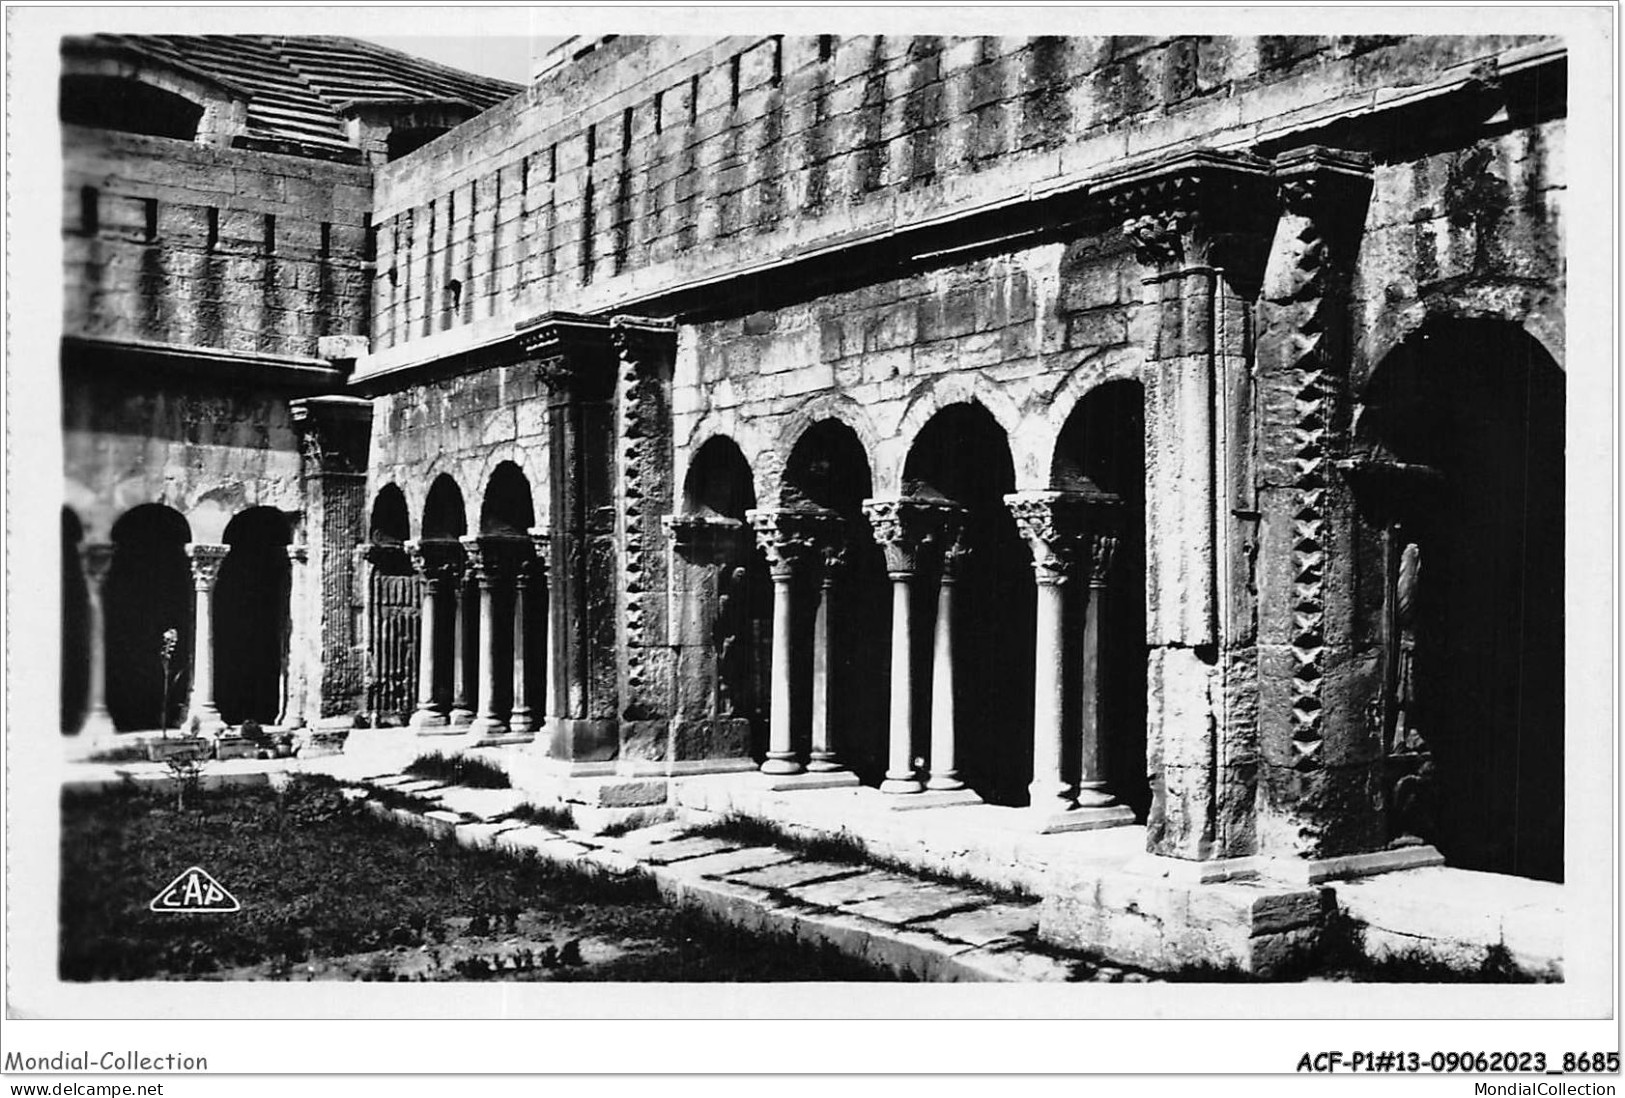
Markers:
{"x": 487, "y": 804}
{"x": 866, "y": 886}
{"x": 734, "y": 861}
{"x": 924, "y": 901}
{"x": 991, "y": 923}
{"x": 795, "y": 874}
{"x": 483, "y": 834}
{"x": 683, "y": 849}
{"x": 419, "y": 786}
{"x": 1012, "y": 964}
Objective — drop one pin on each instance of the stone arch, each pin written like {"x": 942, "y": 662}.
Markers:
{"x": 1538, "y": 320}
{"x": 925, "y": 403}
{"x": 825, "y": 408}
{"x": 1124, "y": 364}
{"x": 251, "y": 617}
{"x": 961, "y": 454}
{"x": 746, "y": 436}
{"x": 390, "y": 523}
{"x": 506, "y": 506}
{"x": 1459, "y": 436}
{"x": 1100, "y": 447}
{"x": 445, "y": 515}
{"x": 148, "y": 591}
{"x": 531, "y": 462}
{"x": 719, "y": 482}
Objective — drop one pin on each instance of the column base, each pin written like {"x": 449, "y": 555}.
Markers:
{"x": 948, "y": 781}
{"x": 428, "y": 720}
{"x": 98, "y": 727}
{"x": 1053, "y": 821}
{"x": 902, "y": 785}
{"x": 460, "y": 718}
{"x": 820, "y": 779}
{"x": 1313, "y": 871}
{"x": 205, "y": 721}
{"x": 521, "y": 721}
{"x": 484, "y": 727}
{"x": 781, "y": 764}
{"x": 933, "y": 798}
{"x": 823, "y": 762}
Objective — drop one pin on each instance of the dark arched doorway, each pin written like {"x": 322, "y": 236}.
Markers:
{"x": 149, "y": 590}
{"x": 721, "y": 578}
{"x": 445, "y": 520}
{"x": 251, "y": 618}
{"x": 828, "y": 470}
{"x": 75, "y": 625}
{"x": 961, "y": 455}
{"x": 1102, "y": 447}
{"x": 1467, "y": 419}
{"x": 394, "y": 598}
{"x": 507, "y": 512}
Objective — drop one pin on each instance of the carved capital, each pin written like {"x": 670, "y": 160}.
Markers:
{"x": 541, "y": 547}
{"x": 97, "y": 557}
{"x": 643, "y": 342}
{"x": 334, "y": 433}
{"x": 438, "y": 560}
{"x": 791, "y": 537}
{"x": 206, "y": 561}
{"x": 708, "y": 539}
{"x": 1102, "y": 550}
{"x": 496, "y": 559}
{"x": 1323, "y": 183}
{"x": 571, "y": 354}
{"x": 1180, "y": 211}
{"x": 1058, "y": 526}
{"x": 911, "y": 530}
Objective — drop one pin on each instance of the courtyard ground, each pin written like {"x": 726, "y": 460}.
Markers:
{"x": 330, "y": 890}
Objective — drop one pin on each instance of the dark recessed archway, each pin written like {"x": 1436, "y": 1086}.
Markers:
{"x": 961, "y": 455}
{"x": 390, "y": 524}
{"x": 1482, "y": 548}
{"x": 1102, "y": 446}
{"x": 443, "y": 513}
{"x": 719, "y": 482}
{"x": 506, "y": 508}
{"x": 251, "y": 617}
{"x": 827, "y": 468}
{"x": 75, "y": 625}
{"x": 394, "y": 601}
{"x": 149, "y": 590}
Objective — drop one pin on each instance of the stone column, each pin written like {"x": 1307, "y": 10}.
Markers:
{"x": 297, "y": 667}
{"x": 98, "y": 561}
{"x": 906, "y": 529}
{"x": 201, "y": 710}
{"x": 575, "y": 360}
{"x": 1199, "y": 222}
{"x": 1057, "y": 526}
{"x": 435, "y": 562}
{"x": 786, "y": 539}
{"x": 1092, "y": 782}
{"x": 462, "y": 592}
{"x": 529, "y": 595}
{"x": 944, "y": 707}
{"x": 709, "y": 633}
{"x": 823, "y": 758}
{"x": 1321, "y": 753}
{"x": 491, "y": 569}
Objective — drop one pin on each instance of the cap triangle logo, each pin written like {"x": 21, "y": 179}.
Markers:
{"x": 194, "y": 890}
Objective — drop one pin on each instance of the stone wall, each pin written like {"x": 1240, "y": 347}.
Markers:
{"x": 659, "y": 164}
{"x": 172, "y": 242}
{"x": 208, "y": 451}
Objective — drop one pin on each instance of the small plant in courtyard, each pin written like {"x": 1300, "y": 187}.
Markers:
{"x": 166, "y": 656}
{"x": 186, "y": 768}
{"x": 460, "y": 770}
{"x": 556, "y": 816}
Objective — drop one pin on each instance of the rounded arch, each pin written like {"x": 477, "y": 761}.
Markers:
{"x": 719, "y": 483}
{"x": 506, "y": 508}
{"x": 390, "y": 523}
{"x": 827, "y": 466}
{"x": 926, "y": 402}
{"x": 444, "y": 513}
{"x": 148, "y": 591}
{"x": 1463, "y": 427}
{"x": 1471, "y": 305}
{"x": 531, "y": 464}
{"x": 1126, "y": 364}
{"x": 826, "y": 408}
{"x": 251, "y": 617}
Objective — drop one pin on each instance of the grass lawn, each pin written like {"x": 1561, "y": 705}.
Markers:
{"x": 330, "y": 891}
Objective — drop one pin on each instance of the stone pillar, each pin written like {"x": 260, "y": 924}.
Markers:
{"x": 296, "y": 672}
{"x": 787, "y": 539}
{"x": 574, "y": 358}
{"x": 907, "y": 530}
{"x": 492, "y": 569}
{"x": 530, "y": 574}
{"x": 334, "y": 435}
{"x": 463, "y": 594}
{"x": 98, "y": 561}
{"x": 1199, "y": 221}
{"x": 541, "y": 543}
{"x": 202, "y": 713}
{"x": 944, "y": 707}
{"x": 1092, "y": 781}
{"x": 1057, "y": 526}
{"x": 1322, "y": 787}
{"x": 823, "y": 758}
{"x": 708, "y": 620}
{"x": 436, "y": 562}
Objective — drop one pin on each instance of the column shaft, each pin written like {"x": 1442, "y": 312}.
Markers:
{"x": 822, "y": 758}
{"x": 98, "y": 721}
{"x": 520, "y": 719}
{"x": 944, "y": 715}
{"x": 462, "y": 711}
{"x": 1049, "y": 790}
{"x": 201, "y": 708}
{"x": 900, "y": 774}
{"x": 781, "y": 755}
{"x": 488, "y": 720}
{"x": 1092, "y": 783}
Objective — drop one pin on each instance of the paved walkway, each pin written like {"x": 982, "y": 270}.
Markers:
{"x": 921, "y": 928}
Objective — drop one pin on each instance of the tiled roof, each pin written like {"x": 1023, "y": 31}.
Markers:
{"x": 298, "y": 87}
